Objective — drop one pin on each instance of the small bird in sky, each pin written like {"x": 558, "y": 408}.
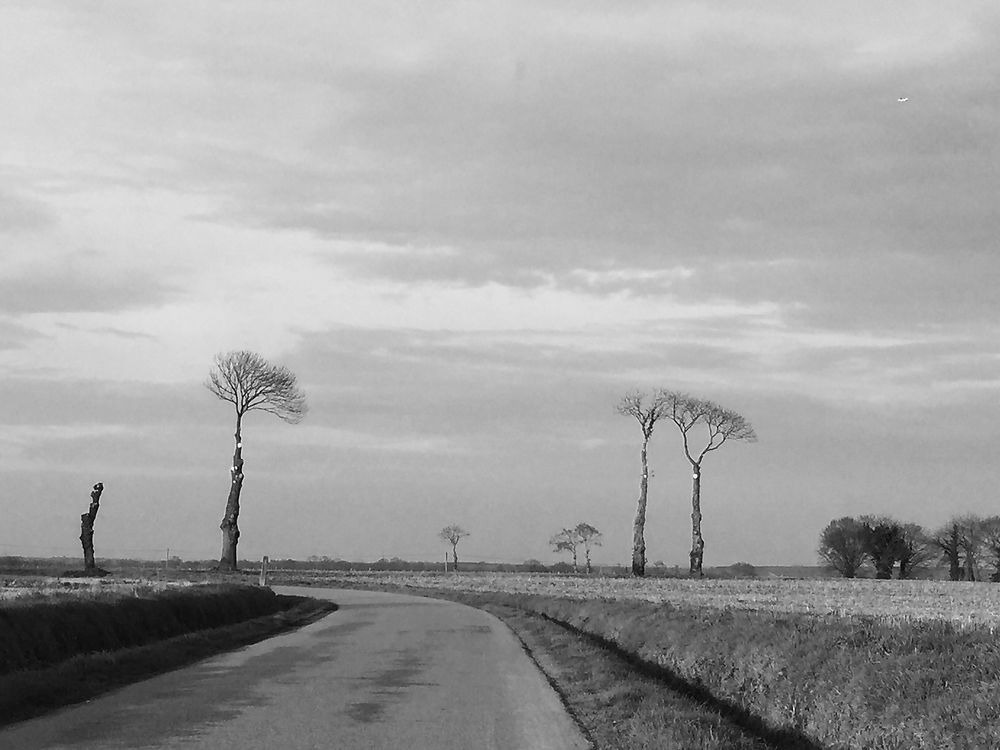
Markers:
{"x": 903, "y": 99}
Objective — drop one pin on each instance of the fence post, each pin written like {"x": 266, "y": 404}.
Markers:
{"x": 263, "y": 571}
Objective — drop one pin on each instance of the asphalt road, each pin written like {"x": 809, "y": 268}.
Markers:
{"x": 385, "y": 671}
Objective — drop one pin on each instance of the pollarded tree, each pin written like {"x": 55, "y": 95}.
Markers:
{"x": 916, "y": 550}
{"x": 647, "y": 410}
{"x": 567, "y": 540}
{"x": 883, "y": 543}
{"x": 250, "y": 383}
{"x": 842, "y": 546}
{"x": 959, "y": 541}
{"x": 590, "y": 537}
{"x": 990, "y": 533}
{"x": 948, "y": 539}
{"x": 971, "y": 542}
{"x": 87, "y": 532}
{"x": 453, "y": 534}
{"x": 720, "y": 426}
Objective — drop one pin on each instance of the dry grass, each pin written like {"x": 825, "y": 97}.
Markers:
{"x": 47, "y": 588}
{"x": 958, "y": 603}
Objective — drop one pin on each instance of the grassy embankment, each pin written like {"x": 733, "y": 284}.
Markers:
{"x": 61, "y": 649}
{"x": 880, "y": 665}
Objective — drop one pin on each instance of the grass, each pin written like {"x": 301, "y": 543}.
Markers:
{"x": 903, "y": 675}
{"x": 80, "y": 647}
{"x": 619, "y": 703}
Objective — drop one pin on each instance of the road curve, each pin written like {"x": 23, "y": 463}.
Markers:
{"x": 385, "y": 671}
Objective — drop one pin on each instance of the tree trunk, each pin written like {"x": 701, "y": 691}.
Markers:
{"x": 954, "y": 564}
{"x": 87, "y": 529}
{"x": 230, "y": 526}
{"x": 697, "y": 541}
{"x": 638, "y": 528}
{"x": 970, "y": 567}
{"x": 589, "y": 569}
{"x": 576, "y": 568}
{"x": 454, "y": 557}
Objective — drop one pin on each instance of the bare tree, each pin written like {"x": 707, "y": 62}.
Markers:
{"x": 590, "y": 537}
{"x": 948, "y": 539}
{"x": 916, "y": 550}
{"x": 720, "y": 425}
{"x": 990, "y": 532}
{"x": 567, "y": 540}
{"x": 971, "y": 542}
{"x": 883, "y": 539}
{"x": 453, "y": 534}
{"x": 647, "y": 410}
{"x": 842, "y": 546}
{"x": 250, "y": 383}
{"x": 87, "y": 532}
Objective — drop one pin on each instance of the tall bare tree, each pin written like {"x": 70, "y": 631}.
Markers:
{"x": 647, "y": 410}
{"x": 842, "y": 546}
{"x": 567, "y": 540}
{"x": 720, "y": 426}
{"x": 453, "y": 534}
{"x": 250, "y": 383}
{"x": 590, "y": 537}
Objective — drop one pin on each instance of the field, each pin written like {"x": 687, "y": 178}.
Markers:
{"x": 959, "y": 603}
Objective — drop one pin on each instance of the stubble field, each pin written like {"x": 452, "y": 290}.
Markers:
{"x": 959, "y": 603}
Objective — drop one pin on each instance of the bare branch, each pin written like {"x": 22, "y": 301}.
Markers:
{"x": 250, "y": 382}
{"x": 452, "y": 534}
{"x": 646, "y": 409}
{"x": 686, "y": 411}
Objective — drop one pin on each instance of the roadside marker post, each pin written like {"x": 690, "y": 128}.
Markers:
{"x": 263, "y": 571}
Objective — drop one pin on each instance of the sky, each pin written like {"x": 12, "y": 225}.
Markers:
{"x": 469, "y": 230}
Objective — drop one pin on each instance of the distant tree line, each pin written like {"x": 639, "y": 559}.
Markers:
{"x": 883, "y": 547}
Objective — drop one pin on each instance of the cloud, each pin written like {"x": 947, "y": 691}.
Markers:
{"x": 338, "y": 439}
{"x": 535, "y": 141}
{"x": 22, "y": 214}
{"x": 67, "y": 293}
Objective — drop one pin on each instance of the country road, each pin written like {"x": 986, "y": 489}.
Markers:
{"x": 385, "y": 671}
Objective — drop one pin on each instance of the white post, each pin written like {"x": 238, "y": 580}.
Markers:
{"x": 445, "y": 562}
{"x": 263, "y": 571}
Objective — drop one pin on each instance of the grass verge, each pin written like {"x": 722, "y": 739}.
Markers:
{"x": 619, "y": 706}
{"x": 28, "y": 693}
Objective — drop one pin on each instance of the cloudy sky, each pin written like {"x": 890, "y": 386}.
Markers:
{"x": 469, "y": 229}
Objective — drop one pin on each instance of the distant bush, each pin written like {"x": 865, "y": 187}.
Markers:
{"x": 742, "y": 570}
